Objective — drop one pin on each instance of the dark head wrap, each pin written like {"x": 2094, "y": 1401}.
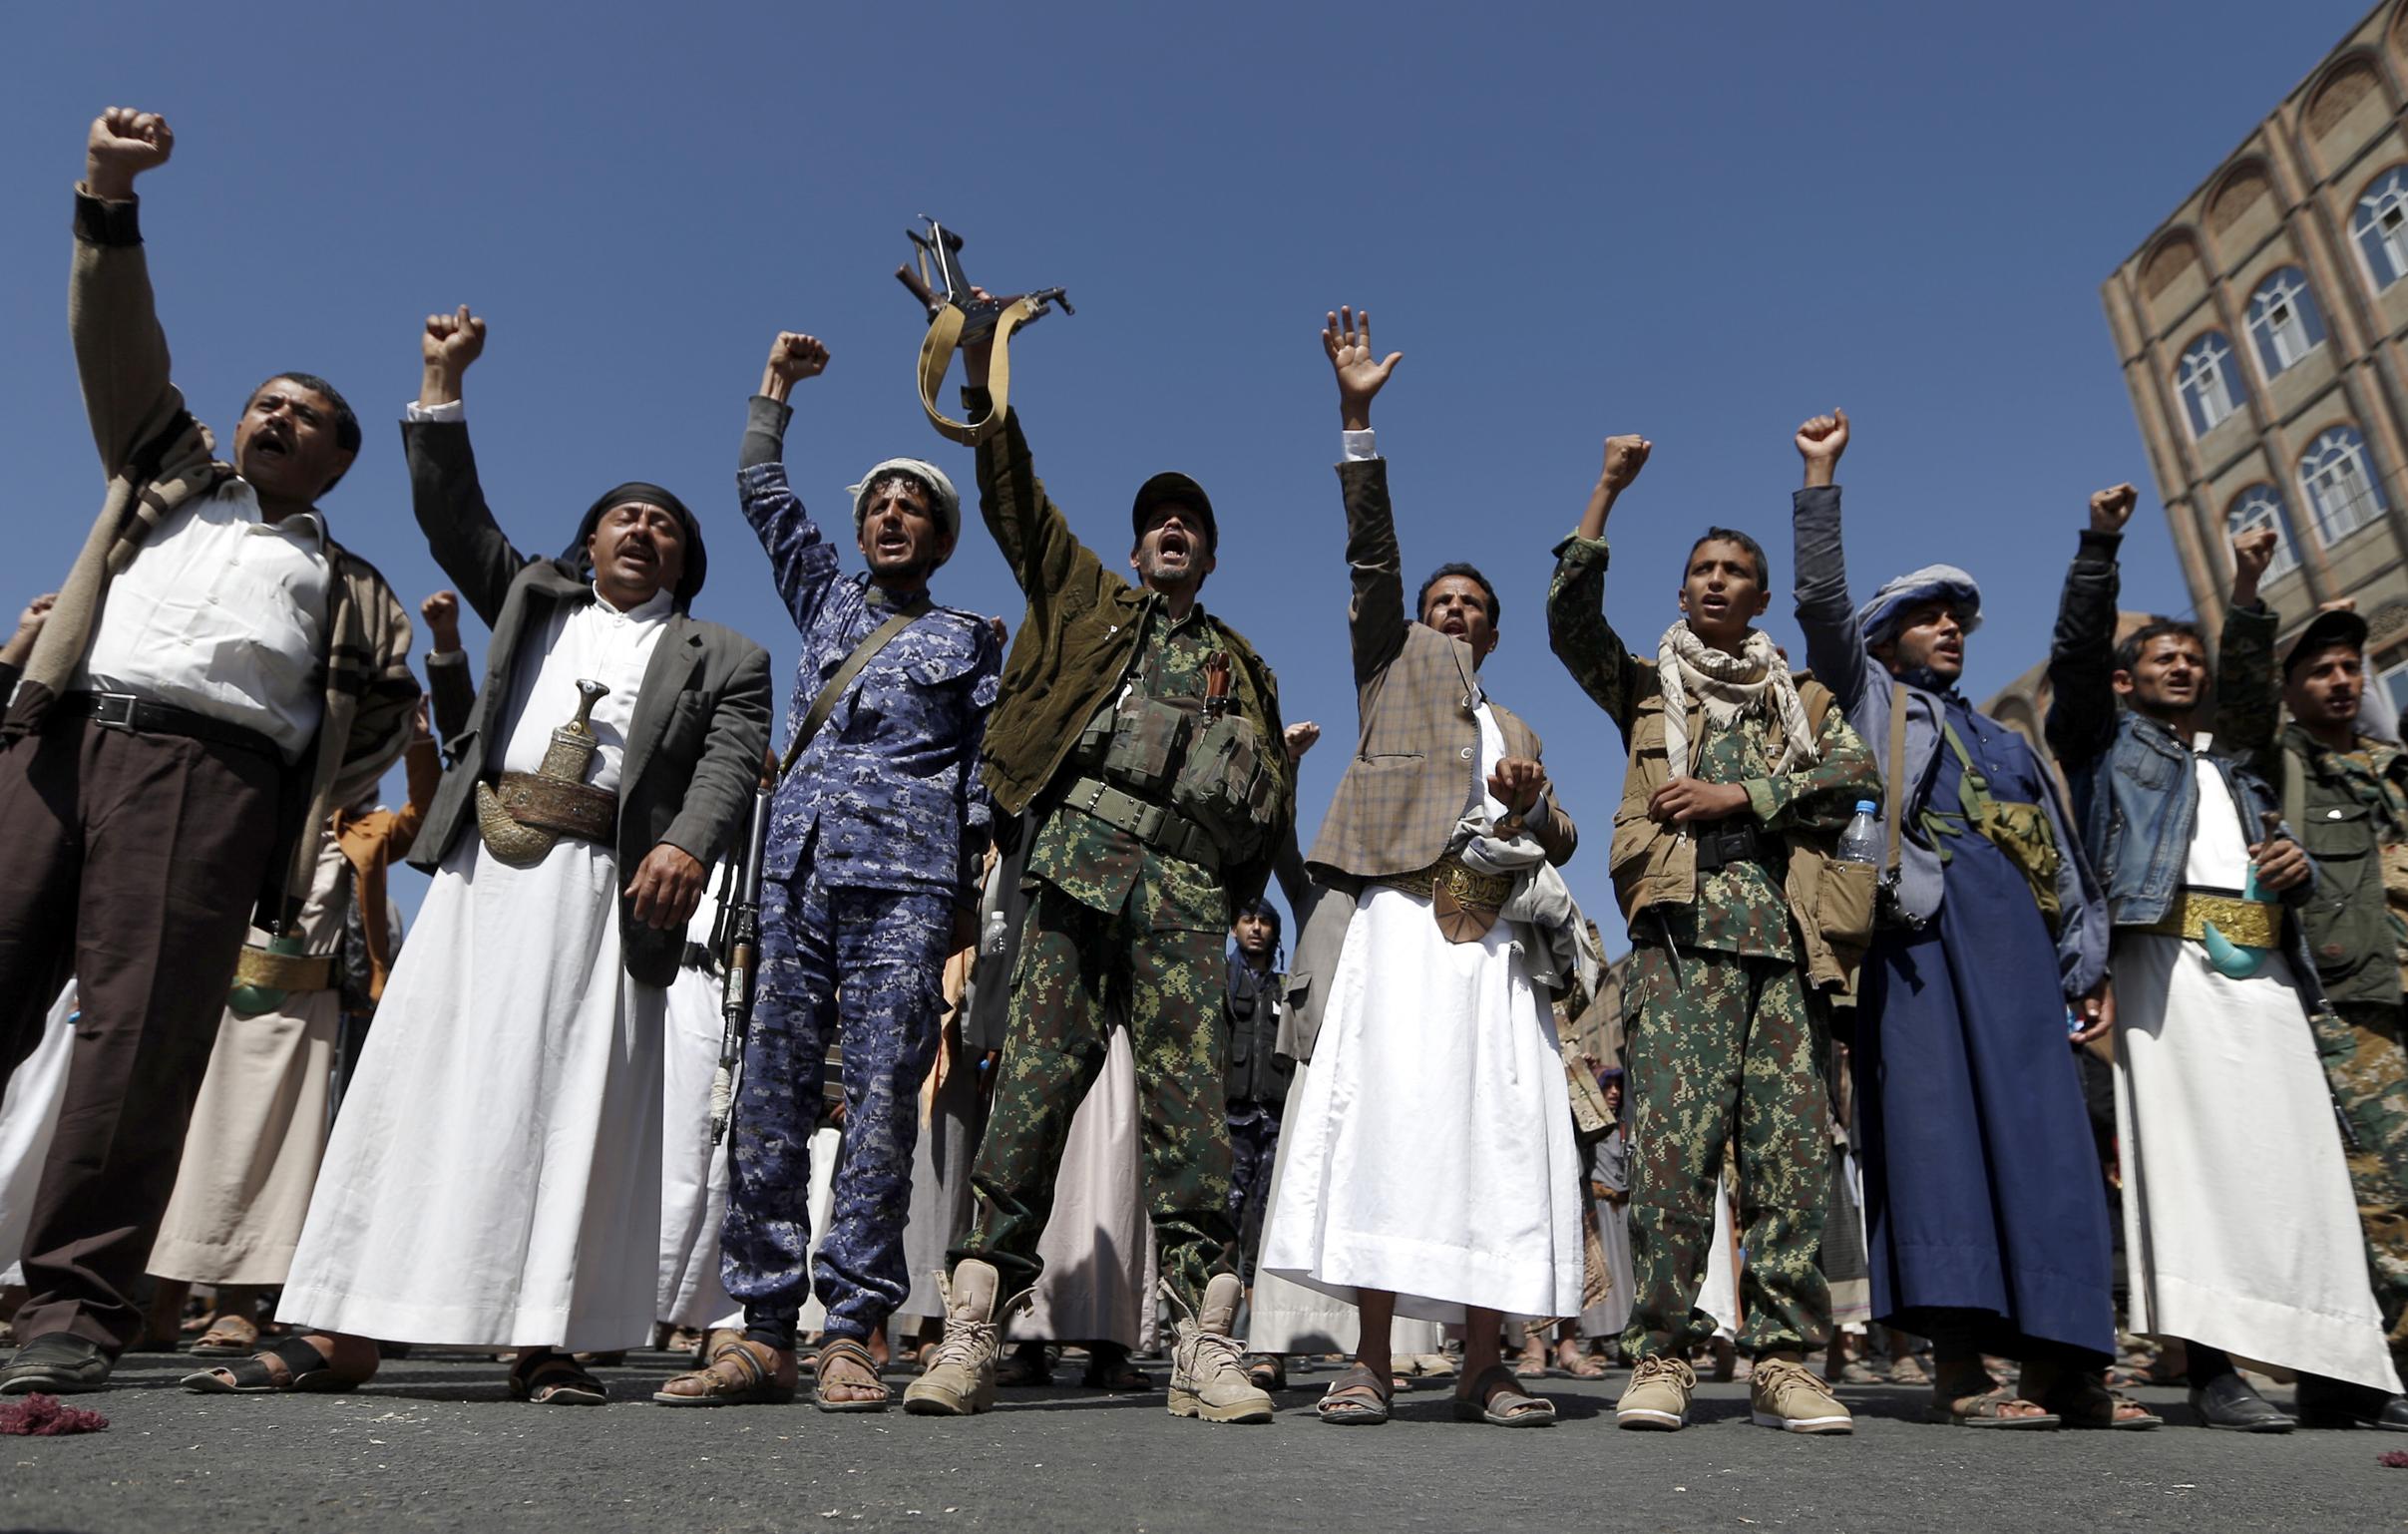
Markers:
{"x": 696, "y": 561}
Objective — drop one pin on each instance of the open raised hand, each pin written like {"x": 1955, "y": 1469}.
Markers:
{"x": 124, "y": 143}
{"x": 793, "y": 357}
{"x": 2110, "y": 507}
{"x": 1346, "y": 338}
{"x": 1820, "y": 441}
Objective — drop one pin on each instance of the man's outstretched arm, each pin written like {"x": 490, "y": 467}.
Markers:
{"x": 444, "y": 489}
{"x": 801, "y": 561}
{"x": 2082, "y": 660}
{"x": 1045, "y": 558}
{"x": 1834, "y": 644}
{"x": 1576, "y": 627}
{"x": 121, "y": 353}
{"x": 1375, "y": 616}
{"x": 2248, "y": 705}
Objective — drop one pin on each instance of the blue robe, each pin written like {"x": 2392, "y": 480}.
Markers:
{"x": 1981, "y": 1180}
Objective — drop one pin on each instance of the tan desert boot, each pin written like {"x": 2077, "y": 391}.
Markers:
{"x": 959, "y": 1380}
{"x": 1207, "y": 1369}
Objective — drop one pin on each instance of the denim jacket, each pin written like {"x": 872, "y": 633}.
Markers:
{"x": 2136, "y": 792}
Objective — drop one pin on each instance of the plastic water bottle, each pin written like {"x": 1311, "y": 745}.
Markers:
{"x": 1862, "y": 841}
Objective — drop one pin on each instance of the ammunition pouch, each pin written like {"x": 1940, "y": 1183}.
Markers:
{"x": 1224, "y": 786}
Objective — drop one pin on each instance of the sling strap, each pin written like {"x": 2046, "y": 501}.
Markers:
{"x": 2294, "y": 791}
{"x": 936, "y": 352}
{"x": 1894, "y": 811}
{"x": 834, "y": 688}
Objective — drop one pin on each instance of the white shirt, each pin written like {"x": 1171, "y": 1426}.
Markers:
{"x": 222, "y": 613}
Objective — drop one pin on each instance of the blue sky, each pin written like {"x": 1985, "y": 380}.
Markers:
{"x": 1702, "y": 223}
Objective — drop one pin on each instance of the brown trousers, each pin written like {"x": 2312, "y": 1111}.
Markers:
{"x": 131, "y": 862}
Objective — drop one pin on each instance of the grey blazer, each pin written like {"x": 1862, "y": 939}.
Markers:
{"x": 701, "y": 719}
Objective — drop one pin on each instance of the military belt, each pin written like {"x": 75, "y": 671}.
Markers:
{"x": 553, "y": 804}
{"x": 2244, "y": 923}
{"x": 1158, "y": 825}
{"x": 284, "y": 971}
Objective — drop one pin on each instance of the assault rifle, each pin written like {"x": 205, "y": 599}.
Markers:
{"x": 958, "y": 316}
{"x": 736, "y": 939}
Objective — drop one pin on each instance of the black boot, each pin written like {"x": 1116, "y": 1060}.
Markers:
{"x": 2337, "y": 1403}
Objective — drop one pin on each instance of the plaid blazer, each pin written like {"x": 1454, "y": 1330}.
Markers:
{"x": 1416, "y": 690}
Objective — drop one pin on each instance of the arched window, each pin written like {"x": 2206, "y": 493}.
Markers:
{"x": 2284, "y": 321}
{"x": 2342, "y": 493}
{"x": 2209, "y": 382}
{"x": 2261, "y": 506}
{"x": 2380, "y": 226}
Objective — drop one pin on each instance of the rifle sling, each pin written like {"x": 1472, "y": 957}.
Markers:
{"x": 937, "y": 353}
{"x": 1894, "y": 812}
{"x": 834, "y": 688}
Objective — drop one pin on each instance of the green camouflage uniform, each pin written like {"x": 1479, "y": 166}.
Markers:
{"x": 1727, "y": 1041}
{"x": 2354, "y": 808}
{"x": 2359, "y": 1039}
{"x": 1117, "y": 934}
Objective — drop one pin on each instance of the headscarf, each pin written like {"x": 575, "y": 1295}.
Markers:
{"x": 1727, "y": 686}
{"x": 1878, "y": 618}
{"x": 948, "y": 500}
{"x": 696, "y": 561}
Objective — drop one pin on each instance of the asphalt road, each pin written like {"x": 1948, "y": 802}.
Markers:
{"x": 436, "y": 1444}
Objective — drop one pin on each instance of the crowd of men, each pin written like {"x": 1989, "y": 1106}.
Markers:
{"x": 1020, "y": 1058}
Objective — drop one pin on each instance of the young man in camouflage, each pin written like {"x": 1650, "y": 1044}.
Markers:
{"x": 1147, "y": 733}
{"x": 877, "y": 836}
{"x": 2347, "y": 794}
{"x": 1736, "y": 781}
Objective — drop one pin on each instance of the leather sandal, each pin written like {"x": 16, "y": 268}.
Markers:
{"x": 228, "y": 1337}
{"x": 1497, "y": 1397}
{"x": 546, "y": 1376}
{"x": 735, "y": 1376}
{"x": 306, "y": 1373}
{"x": 2086, "y": 1403}
{"x": 1987, "y": 1411}
{"x": 849, "y": 1351}
{"x": 1353, "y": 1399}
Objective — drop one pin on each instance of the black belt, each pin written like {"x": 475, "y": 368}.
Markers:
{"x": 125, "y": 711}
{"x": 1723, "y": 842}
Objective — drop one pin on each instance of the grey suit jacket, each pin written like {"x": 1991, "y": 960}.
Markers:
{"x": 701, "y": 719}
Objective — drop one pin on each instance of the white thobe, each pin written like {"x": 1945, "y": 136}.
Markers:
{"x": 1434, "y": 1153}
{"x": 2239, "y": 1225}
{"x": 494, "y": 1179}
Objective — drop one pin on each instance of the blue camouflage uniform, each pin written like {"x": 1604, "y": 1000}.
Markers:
{"x": 875, "y": 838}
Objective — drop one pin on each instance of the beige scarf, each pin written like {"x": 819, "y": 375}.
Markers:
{"x": 1727, "y": 686}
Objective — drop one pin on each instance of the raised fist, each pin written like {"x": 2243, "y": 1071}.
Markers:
{"x": 1300, "y": 738}
{"x": 453, "y": 341}
{"x": 37, "y": 613}
{"x": 2110, "y": 507}
{"x": 1824, "y": 439}
{"x": 442, "y": 614}
{"x": 2252, "y": 551}
{"x": 123, "y": 145}
{"x": 794, "y": 356}
{"x": 1624, "y": 458}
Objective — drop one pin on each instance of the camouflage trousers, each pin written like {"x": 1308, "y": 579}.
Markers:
{"x": 867, "y": 964}
{"x": 1725, "y": 1051}
{"x": 1080, "y": 973}
{"x": 2368, "y": 1073}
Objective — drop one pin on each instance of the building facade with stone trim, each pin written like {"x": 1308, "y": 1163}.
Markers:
{"x": 2263, "y": 329}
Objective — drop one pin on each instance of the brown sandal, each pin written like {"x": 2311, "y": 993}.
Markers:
{"x": 1988, "y": 1410}
{"x": 228, "y": 1337}
{"x": 1497, "y": 1397}
{"x": 546, "y": 1376}
{"x": 1353, "y": 1399}
{"x": 845, "y": 1350}
{"x": 735, "y": 1376}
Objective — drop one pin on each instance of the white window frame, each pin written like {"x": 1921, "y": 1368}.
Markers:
{"x": 2206, "y": 376}
{"x": 2275, "y": 315}
{"x": 2339, "y": 485}
{"x": 2261, "y": 506}
{"x": 2383, "y": 212}
{"x": 2393, "y": 680}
